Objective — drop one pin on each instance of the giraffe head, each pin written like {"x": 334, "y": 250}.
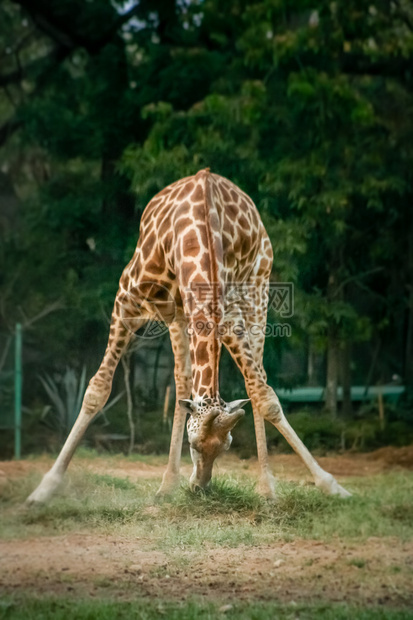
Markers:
{"x": 209, "y": 432}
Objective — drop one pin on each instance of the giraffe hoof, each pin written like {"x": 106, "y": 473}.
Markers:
{"x": 341, "y": 492}
{"x": 45, "y": 490}
{"x": 330, "y": 486}
{"x": 269, "y": 495}
{"x": 168, "y": 486}
{"x": 266, "y": 488}
{"x": 37, "y": 498}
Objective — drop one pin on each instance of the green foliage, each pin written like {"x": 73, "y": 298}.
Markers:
{"x": 321, "y": 433}
{"x": 67, "y": 404}
{"x": 317, "y": 431}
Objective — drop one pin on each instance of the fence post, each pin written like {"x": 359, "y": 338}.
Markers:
{"x": 18, "y": 391}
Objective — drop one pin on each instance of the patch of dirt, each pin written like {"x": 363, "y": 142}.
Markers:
{"x": 392, "y": 456}
{"x": 284, "y": 466}
{"x": 378, "y": 572}
{"x": 15, "y": 469}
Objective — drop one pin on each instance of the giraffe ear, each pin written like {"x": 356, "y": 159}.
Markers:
{"x": 237, "y": 404}
{"x": 186, "y": 405}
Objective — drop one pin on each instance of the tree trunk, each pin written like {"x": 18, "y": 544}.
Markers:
{"x": 334, "y": 293}
{"x": 345, "y": 368}
{"x": 129, "y": 410}
{"x": 332, "y": 372}
{"x": 408, "y": 360}
{"x": 311, "y": 375}
{"x": 408, "y": 352}
{"x": 155, "y": 387}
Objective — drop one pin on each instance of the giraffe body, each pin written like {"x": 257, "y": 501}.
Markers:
{"x": 202, "y": 266}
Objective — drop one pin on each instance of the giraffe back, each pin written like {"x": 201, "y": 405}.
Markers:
{"x": 201, "y": 231}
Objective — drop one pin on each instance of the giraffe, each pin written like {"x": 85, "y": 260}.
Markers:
{"x": 202, "y": 254}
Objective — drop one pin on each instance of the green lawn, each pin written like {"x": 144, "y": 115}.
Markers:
{"x": 381, "y": 506}
{"x": 358, "y": 547}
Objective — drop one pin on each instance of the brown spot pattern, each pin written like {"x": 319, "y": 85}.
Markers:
{"x": 199, "y": 230}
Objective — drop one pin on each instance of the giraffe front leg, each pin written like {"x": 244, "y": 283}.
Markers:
{"x": 93, "y": 401}
{"x": 171, "y": 478}
{"x": 183, "y": 383}
{"x": 266, "y": 481}
{"x": 96, "y": 395}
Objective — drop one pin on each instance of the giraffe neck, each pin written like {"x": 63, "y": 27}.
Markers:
{"x": 203, "y": 291}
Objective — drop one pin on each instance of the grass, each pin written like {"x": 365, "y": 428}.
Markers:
{"x": 189, "y": 528}
{"x": 381, "y": 506}
{"x": 61, "y": 609}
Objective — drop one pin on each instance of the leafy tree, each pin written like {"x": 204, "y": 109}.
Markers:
{"x": 308, "y": 108}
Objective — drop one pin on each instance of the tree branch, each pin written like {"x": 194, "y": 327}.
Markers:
{"x": 123, "y": 19}
{"x": 66, "y": 32}
{"x": 8, "y": 129}
{"x": 404, "y": 15}
{"x": 10, "y": 78}
{"x": 67, "y": 40}
{"x": 28, "y": 322}
{"x": 357, "y": 64}
{"x": 20, "y": 44}
{"x": 5, "y": 352}
{"x": 359, "y": 276}
{"x": 13, "y": 124}
{"x": 18, "y": 74}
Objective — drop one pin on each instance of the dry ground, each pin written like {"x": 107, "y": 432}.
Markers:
{"x": 124, "y": 563}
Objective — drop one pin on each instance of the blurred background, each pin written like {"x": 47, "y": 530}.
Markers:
{"x": 307, "y": 106}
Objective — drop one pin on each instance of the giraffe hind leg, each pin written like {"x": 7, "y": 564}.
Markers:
{"x": 322, "y": 479}
{"x": 266, "y": 404}
{"x": 252, "y": 352}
